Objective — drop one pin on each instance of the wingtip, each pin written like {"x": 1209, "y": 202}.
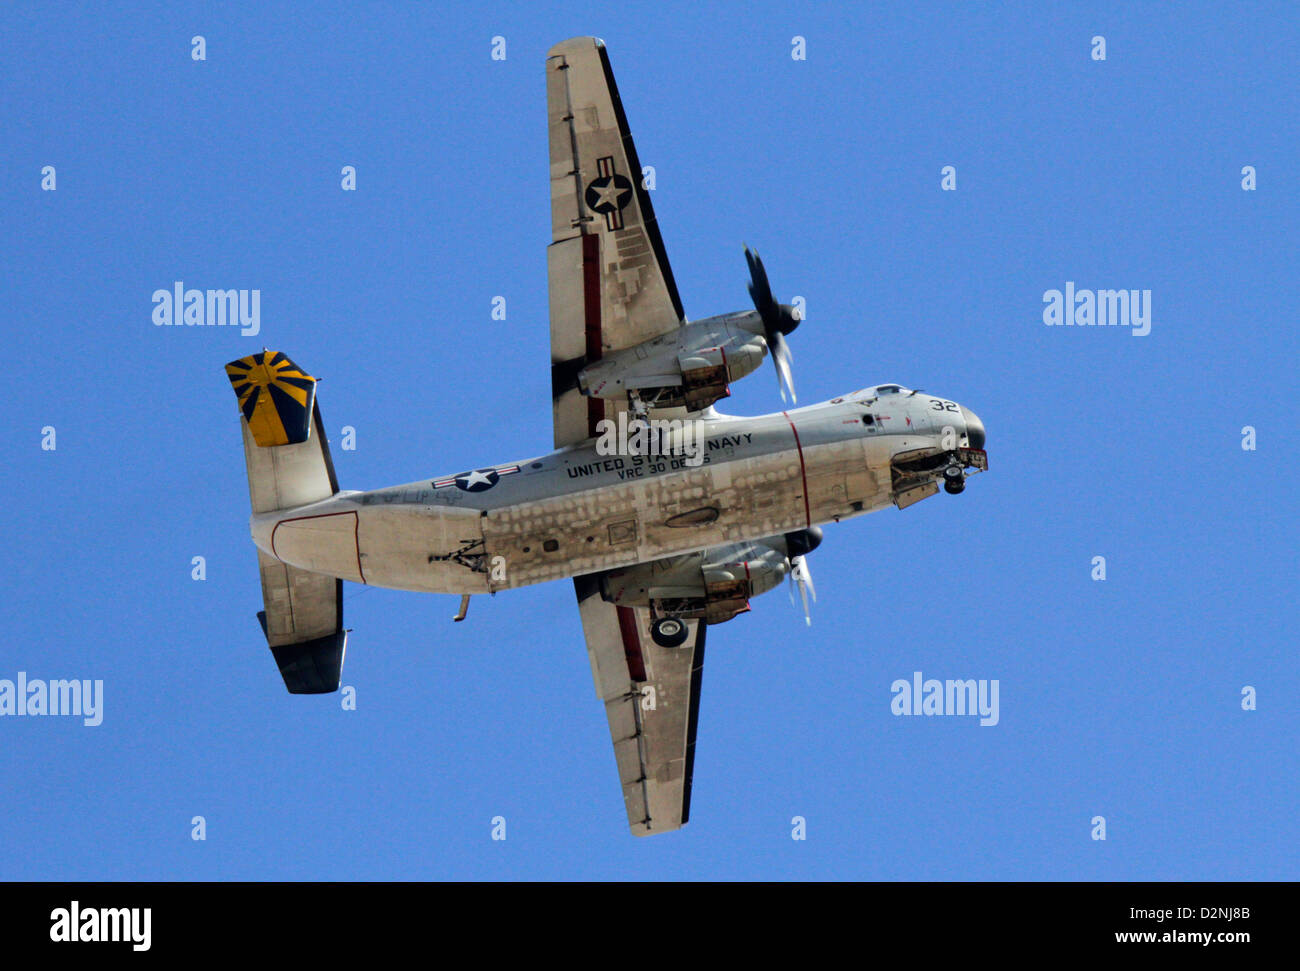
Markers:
{"x": 575, "y": 45}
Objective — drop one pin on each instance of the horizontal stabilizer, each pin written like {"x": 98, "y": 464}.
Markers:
{"x": 312, "y": 667}
{"x": 303, "y": 624}
{"x": 289, "y": 466}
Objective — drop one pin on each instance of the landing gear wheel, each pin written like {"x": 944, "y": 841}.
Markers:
{"x": 954, "y": 479}
{"x": 668, "y": 632}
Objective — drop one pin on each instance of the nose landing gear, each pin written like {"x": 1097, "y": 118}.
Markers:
{"x": 954, "y": 480}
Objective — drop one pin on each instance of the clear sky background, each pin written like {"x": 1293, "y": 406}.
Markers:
{"x": 1119, "y": 698}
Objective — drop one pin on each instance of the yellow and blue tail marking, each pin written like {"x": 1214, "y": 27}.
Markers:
{"x": 275, "y": 396}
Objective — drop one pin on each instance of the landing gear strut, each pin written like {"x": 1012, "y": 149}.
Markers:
{"x": 639, "y": 410}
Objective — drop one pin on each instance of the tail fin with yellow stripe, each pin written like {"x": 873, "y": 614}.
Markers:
{"x": 276, "y": 398}
{"x": 289, "y": 465}
{"x": 288, "y": 458}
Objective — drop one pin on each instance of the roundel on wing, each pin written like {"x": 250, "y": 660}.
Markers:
{"x": 608, "y": 193}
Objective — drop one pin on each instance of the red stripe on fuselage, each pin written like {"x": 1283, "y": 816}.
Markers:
{"x": 803, "y": 472}
{"x": 356, "y": 534}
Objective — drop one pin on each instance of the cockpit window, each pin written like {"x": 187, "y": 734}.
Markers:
{"x": 878, "y": 390}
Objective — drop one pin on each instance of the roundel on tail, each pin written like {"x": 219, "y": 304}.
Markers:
{"x": 275, "y": 396}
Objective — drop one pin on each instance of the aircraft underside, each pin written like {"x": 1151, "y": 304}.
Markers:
{"x": 661, "y": 542}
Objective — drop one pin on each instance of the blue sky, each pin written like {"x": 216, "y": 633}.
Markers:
{"x": 1119, "y": 698}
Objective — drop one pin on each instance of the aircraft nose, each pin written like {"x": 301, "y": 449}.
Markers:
{"x": 974, "y": 428}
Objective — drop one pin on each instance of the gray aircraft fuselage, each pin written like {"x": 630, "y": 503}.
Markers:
{"x": 577, "y": 511}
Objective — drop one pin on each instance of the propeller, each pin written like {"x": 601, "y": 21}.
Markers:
{"x": 801, "y": 577}
{"x": 798, "y": 545}
{"x": 778, "y": 320}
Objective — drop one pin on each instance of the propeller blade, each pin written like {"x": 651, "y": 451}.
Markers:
{"x": 802, "y": 576}
{"x": 778, "y": 320}
{"x": 807, "y": 614}
{"x": 807, "y": 578}
{"x": 760, "y": 291}
{"x": 782, "y": 358}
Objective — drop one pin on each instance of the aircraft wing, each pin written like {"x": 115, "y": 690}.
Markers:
{"x": 652, "y": 699}
{"x": 610, "y": 288}
{"x": 610, "y": 283}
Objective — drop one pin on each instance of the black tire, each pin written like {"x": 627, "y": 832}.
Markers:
{"x": 954, "y": 473}
{"x": 669, "y": 632}
{"x": 954, "y": 486}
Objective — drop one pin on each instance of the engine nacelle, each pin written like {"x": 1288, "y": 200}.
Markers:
{"x": 714, "y": 584}
{"x": 691, "y": 367}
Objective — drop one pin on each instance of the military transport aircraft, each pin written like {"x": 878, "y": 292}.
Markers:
{"x": 660, "y": 543}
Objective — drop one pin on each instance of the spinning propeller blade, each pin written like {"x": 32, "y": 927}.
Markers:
{"x": 798, "y": 545}
{"x": 801, "y": 576}
{"x": 778, "y": 319}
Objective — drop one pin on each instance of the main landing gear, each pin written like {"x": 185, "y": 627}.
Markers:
{"x": 638, "y": 410}
{"x": 668, "y": 632}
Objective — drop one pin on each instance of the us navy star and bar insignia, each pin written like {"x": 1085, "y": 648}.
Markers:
{"x": 479, "y": 480}
{"x": 609, "y": 193}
